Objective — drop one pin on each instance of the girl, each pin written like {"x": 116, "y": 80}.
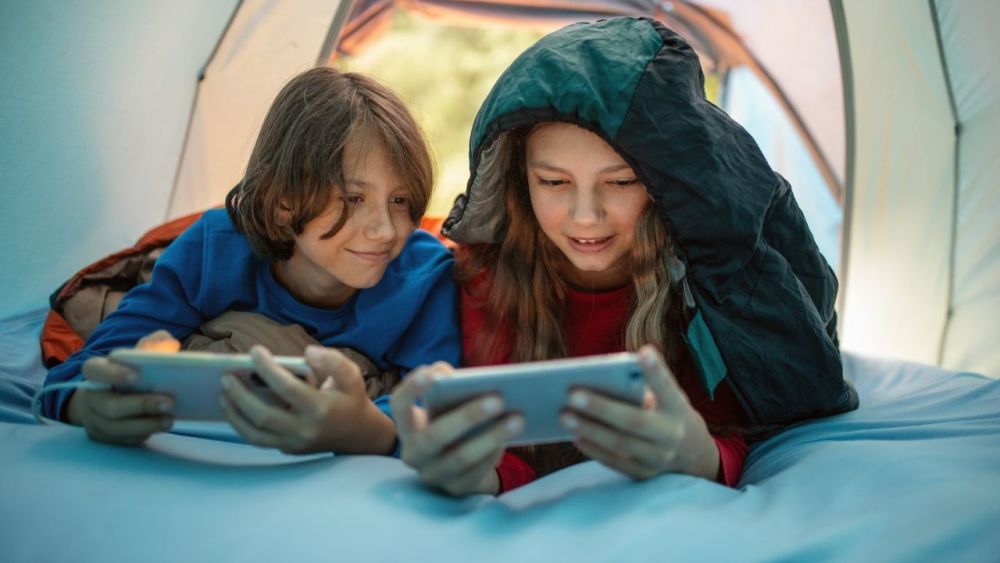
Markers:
{"x": 612, "y": 207}
{"x": 320, "y": 232}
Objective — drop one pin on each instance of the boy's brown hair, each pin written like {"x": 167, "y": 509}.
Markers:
{"x": 297, "y": 164}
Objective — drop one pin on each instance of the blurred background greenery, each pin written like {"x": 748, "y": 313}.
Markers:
{"x": 443, "y": 73}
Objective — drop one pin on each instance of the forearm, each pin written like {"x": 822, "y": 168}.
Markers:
{"x": 55, "y": 404}
{"x": 377, "y": 433}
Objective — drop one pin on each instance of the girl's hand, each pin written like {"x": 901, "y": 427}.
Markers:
{"x": 122, "y": 418}
{"x": 441, "y": 450}
{"x": 337, "y": 417}
{"x": 666, "y": 434}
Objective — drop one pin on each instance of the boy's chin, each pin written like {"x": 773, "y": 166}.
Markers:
{"x": 365, "y": 282}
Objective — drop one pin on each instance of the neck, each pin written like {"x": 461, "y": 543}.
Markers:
{"x": 605, "y": 280}
{"x": 316, "y": 289}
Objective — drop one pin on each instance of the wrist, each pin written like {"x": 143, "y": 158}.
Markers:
{"x": 383, "y": 434}
{"x": 494, "y": 485}
{"x": 709, "y": 463}
{"x": 74, "y": 409}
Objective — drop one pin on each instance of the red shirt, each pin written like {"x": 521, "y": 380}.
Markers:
{"x": 595, "y": 324}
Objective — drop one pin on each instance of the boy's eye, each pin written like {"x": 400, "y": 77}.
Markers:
{"x": 400, "y": 201}
{"x": 354, "y": 199}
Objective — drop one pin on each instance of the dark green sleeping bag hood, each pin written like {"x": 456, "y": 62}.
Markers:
{"x": 760, "y": 295}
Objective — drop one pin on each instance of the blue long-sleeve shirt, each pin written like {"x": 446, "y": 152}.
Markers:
{"x": 408, "y": 319}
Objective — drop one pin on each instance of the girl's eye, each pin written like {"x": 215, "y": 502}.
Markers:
{"x": 624, "y": 182}
{"x": 551, "y": 182}
{"x": 400, "y": 201}
{"x": 354, "y": 199}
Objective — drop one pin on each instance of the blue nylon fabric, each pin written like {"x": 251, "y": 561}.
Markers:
{"x": 912, "y": 475}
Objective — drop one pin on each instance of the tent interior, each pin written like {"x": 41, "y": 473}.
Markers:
{"x": 118, "y": 116}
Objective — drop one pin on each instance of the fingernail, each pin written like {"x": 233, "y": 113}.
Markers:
{"x": 227, "y": 381}
{"x": 491, "y": 405}
{"x": 164, "y": 406}
{"x": 421, "y": 378}
{"x": 257, "y": 352}
{"x": 130, "y": 376}
{"x": 314, "y": 353}
{"x": 570, "y": 421}
{"x": 578, "y": 399}
{"x": 515, "y": 425}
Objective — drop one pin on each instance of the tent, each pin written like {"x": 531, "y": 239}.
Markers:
{"x": 118, "y": 116}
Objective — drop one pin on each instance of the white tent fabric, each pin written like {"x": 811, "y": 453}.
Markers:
{"x": 922, "y": 269}
{"x": 970, "y": 340}
{"x": 94, "y": 103}
{"x": 797, "y": 43}
{"x": 100, "y": 142}
{"x": 901, "y": 189}
{"x": 267, "y": 43}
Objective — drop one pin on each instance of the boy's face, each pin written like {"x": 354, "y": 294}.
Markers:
{"x": 327, "y": 272}
{"x": 587, "y": 201}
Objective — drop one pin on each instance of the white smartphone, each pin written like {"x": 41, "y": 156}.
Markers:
{"x": 194, "y": 379}
{"x": 539, "y": 390}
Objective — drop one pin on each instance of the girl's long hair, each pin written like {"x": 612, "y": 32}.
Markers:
{"x": 526, "y": 297}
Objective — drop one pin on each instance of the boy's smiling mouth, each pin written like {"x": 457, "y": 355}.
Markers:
{"x": 373, "y": 256}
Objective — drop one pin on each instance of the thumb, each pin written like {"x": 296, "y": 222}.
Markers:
{"x": 159, "y": 341}
{"x": 333, "y": 366}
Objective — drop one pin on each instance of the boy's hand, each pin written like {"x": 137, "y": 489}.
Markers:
{"x": 337, "y": 417}
{"x": 440, "y": 449}
{"x": 121, "y": 418}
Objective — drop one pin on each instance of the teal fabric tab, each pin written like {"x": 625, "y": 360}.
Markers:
{"x": 706, "y": 354}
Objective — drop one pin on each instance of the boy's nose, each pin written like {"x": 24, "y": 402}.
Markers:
{"x": 379, "y": 226}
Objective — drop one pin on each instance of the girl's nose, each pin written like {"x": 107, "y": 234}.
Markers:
{"x": 587, "y": 207}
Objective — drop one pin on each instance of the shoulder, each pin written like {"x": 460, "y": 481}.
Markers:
{"x": 471, "y": 264}
{"x": 211, "y": 239}
{"x": 215, "y": 228}
{"x": 423, "y": 267}
{"x": 423, "y": 254}
{"x": 211, "y": 222}
{"x": 217, "y": 221}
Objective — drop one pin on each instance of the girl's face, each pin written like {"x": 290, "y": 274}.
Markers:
{"x": 587, "y": 201}
{"x": 327, "y": 272}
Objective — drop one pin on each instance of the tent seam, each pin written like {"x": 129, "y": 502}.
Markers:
{"x": 956, "y": 157}
{"x": 194, "y": 106}
{"x": 332, "y": 39}
{"x": 847, "y": 81}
